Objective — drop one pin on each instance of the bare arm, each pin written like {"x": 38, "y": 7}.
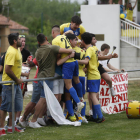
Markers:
{"x": 1, "y": 68}
{"x": 112, "y": 68}
{"x": 135, "y": 4}
{"x": 10, "y": 73}
{"x": 61, "y": 50}
{"x": 104, "y": 57}
{"x": 63, "y": 60}
{"x": 83, "y": 61}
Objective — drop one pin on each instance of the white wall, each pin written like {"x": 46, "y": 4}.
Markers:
{"x": 138, "y": 17}
{"x": 104, "y": 19}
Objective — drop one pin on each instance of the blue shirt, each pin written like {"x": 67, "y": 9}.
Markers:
{"x": 58, "y": 70}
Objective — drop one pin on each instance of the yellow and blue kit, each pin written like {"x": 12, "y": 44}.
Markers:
{"x": 66, "y": 27}
{"x": 93, "y": 75}
{"x": 70, "y": 67}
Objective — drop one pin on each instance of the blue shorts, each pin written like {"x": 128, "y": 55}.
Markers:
{"x": 82, "y": 80}
{"x": 41, "y": 88}
{"x": 36, "y": 93}
{"x": 70, "y": 69}
{"x": 6, "y": 104}
{"x": 93, "y": 85}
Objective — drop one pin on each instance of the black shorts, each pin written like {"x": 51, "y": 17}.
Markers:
{"x": 101, "y": 69}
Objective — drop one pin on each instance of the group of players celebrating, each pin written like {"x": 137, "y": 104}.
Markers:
{"x": 72, "y": 55}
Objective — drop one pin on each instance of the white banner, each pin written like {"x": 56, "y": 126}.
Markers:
{"x": 118, "y": 103}
{"x": 55, "y": 108}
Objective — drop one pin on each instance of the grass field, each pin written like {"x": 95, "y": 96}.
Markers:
{"x": 115, "y": 127}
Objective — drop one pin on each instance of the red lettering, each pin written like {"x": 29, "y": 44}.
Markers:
{"x": 105, "y": 101}
{"x": 102, "y": 91}
{"x": 125, "y": 87}
{"x": 120, "y": 109}
{"x": 121, "y": 88}
{"x": 120, "y": 98}
{"x": 114, "y": 100}
{"x": 103, "y": 82}
{"x": 115, "y": 108}
{"x": 107, "y": 94}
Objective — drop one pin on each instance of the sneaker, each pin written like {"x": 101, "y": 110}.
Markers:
{"x": 72, "y": 118}
{"x": 41, "y": 121}
{"x": 100, "y": 120}
{"x": 20, "y": 128}
{"x": 91, "y": 119}
{"x": 84, "y": 120}
{"x": 90, "y": 112}
{"x": 79, "y": 107}
{"x": 113, "y": 93}
{"x": 16, "y": 129}
{"x": 24, "y": 123}
{"x": 34, "y": 125}
{"x": 49, "y": 122}
{"x": 2, "y": 132}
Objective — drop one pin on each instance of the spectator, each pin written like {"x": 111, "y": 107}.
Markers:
{"x": 12, "y": 71}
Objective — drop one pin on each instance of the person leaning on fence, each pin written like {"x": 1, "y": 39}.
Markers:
{"x": 105, "y": 63}
{"x": 46, "y": 59}
{"x": 11, "y": 72}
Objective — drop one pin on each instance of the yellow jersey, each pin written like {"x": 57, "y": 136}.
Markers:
{"x": 82, "y": 56}
{"x": 63, "y": 42}
{"x": 96, "y": 49}
{"x": 13, "y": 57}
{"x": 66, "y": 27}
{"x": 129, "y": 14}
{"x": 92, "y": 69}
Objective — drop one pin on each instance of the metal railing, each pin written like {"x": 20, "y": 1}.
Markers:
{"x": 130, "y": 32}
{"x": 40, "y": 79}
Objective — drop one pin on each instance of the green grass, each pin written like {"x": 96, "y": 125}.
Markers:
{"x": 115, "y": 127}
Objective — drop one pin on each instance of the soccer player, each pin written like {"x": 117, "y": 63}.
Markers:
{"x": 103, "y": 73}
{"x": 75, "y": 26}
{"x": 69, "y": 72}
{"x": 93, "y": 75}
{"x": 46, "y": 59}
{"x": 73, "y": 41}
{"x": 12, "y": 71}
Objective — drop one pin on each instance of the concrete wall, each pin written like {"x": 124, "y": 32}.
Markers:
{"x": 104, "y": 19}
{"x": 130, "y": 59}
{"x": 139, "y": 17}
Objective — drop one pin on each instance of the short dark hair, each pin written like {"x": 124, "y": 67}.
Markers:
{"x": 86, "y": 37}
{"x": 41, "y": 38}
{"x": 12, "y": 37}
{"x": 76, "y": 19}
{"x": 105, "y": 46}
{"x": 57, "y": 26}
{"x": 70, "y": 36}
{"x": 93, "y": 35}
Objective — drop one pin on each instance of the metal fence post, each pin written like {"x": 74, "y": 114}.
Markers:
{"x": 13, "y": 109}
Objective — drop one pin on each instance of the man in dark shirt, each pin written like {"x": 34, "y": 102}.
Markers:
{"x": 25, "y": 53}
